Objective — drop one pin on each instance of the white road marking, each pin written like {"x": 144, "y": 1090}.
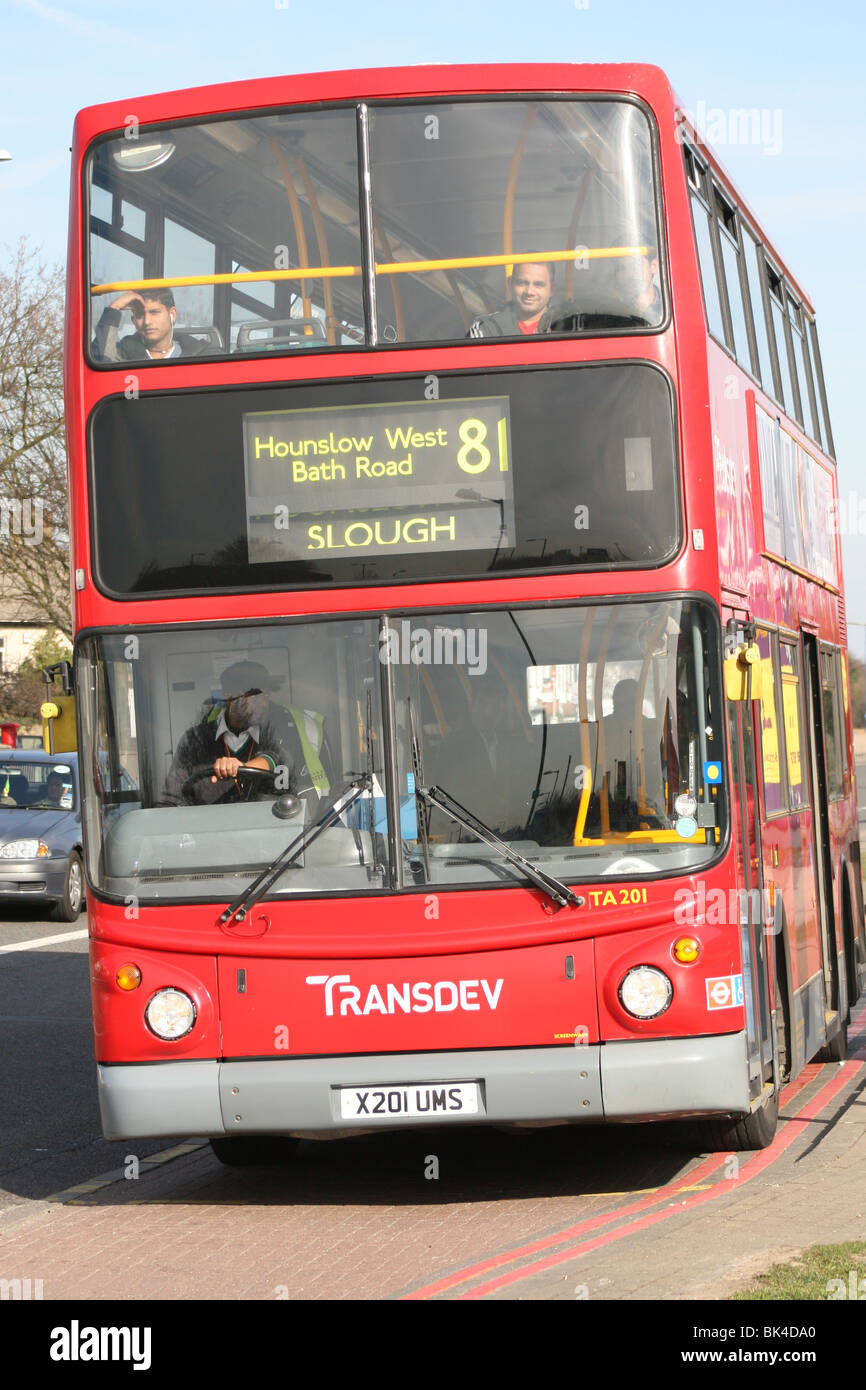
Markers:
{"x": 44, "y": 941}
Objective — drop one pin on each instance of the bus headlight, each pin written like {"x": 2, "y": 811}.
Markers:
{"x": 645, "y": 992}
{"x": 170, "y": 1014}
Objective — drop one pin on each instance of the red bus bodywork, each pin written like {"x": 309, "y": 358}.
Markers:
{"x": 494, "y": 986}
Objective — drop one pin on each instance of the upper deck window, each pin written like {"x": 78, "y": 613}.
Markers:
{"x": 483, "y": 219}
{"x": 567, "y": 187}
{"x": 246, "y": 221}
{"x": 777, "y": 310}
{"x": 704, "y": 231}
{"x": 729, "y": 245}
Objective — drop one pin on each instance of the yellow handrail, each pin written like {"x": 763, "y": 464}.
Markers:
{"x": 511, "y": 190}
{"x": 322, "y": 272}
{"x": 322, "y": 239}
{"x": 298, "y": 220}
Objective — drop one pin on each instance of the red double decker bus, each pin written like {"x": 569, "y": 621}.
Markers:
{"x": 461, "y": 658}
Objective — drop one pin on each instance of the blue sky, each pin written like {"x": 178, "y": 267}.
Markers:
{"x": 801, "y": 62}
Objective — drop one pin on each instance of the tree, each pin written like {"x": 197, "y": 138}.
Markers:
{"x": 34, "y": 549}
{"x": 21, "y": 696}
{"x": 51, "y": 647}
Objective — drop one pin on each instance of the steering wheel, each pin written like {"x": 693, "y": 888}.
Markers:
{"x": 257, "y": 779}
{"x": 249, "y": 779}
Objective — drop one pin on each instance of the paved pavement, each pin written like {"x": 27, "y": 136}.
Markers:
{"x": 565, "y": 1214}
{"x": 623, "y": 1213}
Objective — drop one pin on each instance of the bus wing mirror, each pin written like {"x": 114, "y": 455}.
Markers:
{"x": 743, "y": 673}
{"x": 58, "y": 711}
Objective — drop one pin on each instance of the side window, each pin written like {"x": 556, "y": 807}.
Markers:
{"x": 730, "y": 248}
{"x": 832, "y": 740}
{"x": 809, "y": 354}
{"x": 752, "y": 257}
{"x": 703, "y": 224}
{"x": 789, "y": 662}
{"x": 118, "y": 249}
{"x": 842, "y": 688}
{"x": 822, "y": 391}
{"x": 779, "y": 320}
{"x": 801, "y": 364}
{"x": 187, "y": 253}
{"x": 772, "y": 744}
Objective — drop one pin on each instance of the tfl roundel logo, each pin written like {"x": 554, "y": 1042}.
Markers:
{"x": 725, "y": 992}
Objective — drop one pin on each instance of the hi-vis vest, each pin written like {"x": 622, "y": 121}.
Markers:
{"x": 310, "y": 728}
{"x": 311, "y": 732}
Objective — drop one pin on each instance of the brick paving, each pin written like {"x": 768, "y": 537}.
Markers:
{"x": 357, "y": 1220}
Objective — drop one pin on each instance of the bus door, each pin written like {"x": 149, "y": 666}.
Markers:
{"x": 746, "y": 829}
{"x": 821, "y": 844}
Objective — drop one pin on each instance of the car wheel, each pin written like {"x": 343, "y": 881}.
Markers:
{"x": 69, "y": 906}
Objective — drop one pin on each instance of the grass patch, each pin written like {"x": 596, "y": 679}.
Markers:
{"x": 806, "y": 1278}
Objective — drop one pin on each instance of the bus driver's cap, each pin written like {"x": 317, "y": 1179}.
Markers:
{"x": 246, "y": 676}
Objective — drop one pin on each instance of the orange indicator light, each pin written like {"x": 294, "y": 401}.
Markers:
{"x": 128, "y": 977}
{"x": 687, "y": 949}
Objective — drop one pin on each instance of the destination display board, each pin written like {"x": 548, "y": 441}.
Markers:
{"x": 395, "y": 478}
{"x": 365, "y": 480}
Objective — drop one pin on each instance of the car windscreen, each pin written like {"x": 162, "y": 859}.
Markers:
{"x": 49, "y": 786}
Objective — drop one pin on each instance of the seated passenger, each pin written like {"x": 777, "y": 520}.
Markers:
{"x": 248, "y": 730}
{"x": 154, "y": 315}
{"x": 630, "y": 773}
{"x": 635, "y": 284}
{"x": 528, "y": 310}
{"x": 488, "y": 763}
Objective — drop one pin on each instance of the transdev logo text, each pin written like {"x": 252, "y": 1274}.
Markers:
{"x": 422, "y": 997}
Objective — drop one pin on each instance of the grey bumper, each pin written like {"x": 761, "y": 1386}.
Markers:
{"x": 617, "y": 1081}
{"x": 33, "y": 878}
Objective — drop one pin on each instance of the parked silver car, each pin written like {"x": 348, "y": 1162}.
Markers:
{"x": 40, "y": 830}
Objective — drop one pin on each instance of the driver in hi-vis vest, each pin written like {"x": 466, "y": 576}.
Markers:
{"x": 248, "y": 730}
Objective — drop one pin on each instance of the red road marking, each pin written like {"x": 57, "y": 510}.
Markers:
{"x": 756, "y": 1165}
{"x": 807, "y": 1075}
{"x": 703, "y": 1170}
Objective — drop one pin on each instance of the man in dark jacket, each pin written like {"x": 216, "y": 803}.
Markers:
{"x": 154, "y": 315}
{"x": 528, "y": 310}
{"x": 248, "y": 730}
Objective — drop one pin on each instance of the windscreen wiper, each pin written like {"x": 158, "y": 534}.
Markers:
{"x": 437, "y": 796}
{"x": 260, "y": 885}
{"x": 423, "y": 812}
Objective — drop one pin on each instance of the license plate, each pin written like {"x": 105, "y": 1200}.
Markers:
{"x": 444, "y": 1099}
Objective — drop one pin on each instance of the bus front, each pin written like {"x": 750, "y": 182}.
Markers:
{"x": 399, "y": 687}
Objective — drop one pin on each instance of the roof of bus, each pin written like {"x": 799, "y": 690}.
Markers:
{"x": 423, "y": 79}
{"x": 426, "y": 79}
